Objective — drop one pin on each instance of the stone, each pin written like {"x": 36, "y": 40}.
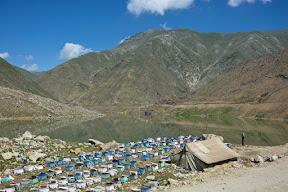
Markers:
{"x": 42, "y": 138}
{"x": 7, "y": 156}
{"x": 15, "y": 154}
{"x": 4, "y": 140}
{"x": 273, "y": 158}
{"x": 27, "y": 135}
{"x": 172, "y": 181}
{"x": 150, "y": 177}
{"x": 77, "y": 150}
{"x": 95, "y": 142}
{"x": 7, "y": 172}
{"x": 34, "y": 156}
{"x": 258, "y": 159}
{"x": 109, "y": 145}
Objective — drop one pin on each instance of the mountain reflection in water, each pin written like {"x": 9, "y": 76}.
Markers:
{"x": 125, "y": 129}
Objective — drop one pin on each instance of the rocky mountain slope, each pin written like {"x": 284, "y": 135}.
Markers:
{"x": 10, "y": 77}
{"x": 156, "y": 64}
{"x": 18, "y": 104}
{"x": 261, "y": 80}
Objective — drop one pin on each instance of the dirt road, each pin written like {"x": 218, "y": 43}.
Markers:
{"x": 270, "y": 177}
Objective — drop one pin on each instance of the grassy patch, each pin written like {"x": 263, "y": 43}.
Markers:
{"x": 83, "y": 86}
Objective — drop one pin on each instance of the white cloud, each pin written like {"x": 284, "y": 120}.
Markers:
{"x": 165, "y": 27}
{"x": 71, "y": 50}
{"x": 4, "y": 55}
{"x": 138, "y": 7}
{"x": 120, "y": 42}
{"x": 33, "y": 67}
{"x": 236, "y": 3}
{"x": 29, "y": 57}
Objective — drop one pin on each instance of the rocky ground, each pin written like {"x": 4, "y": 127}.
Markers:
{"x": 259, "y": 168}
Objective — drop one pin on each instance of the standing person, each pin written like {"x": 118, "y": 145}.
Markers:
{"x": 243, "y": 139}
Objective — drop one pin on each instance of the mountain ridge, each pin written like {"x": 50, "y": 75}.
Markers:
{"x": 10, "y": 77}
{"x": 156, "y": 64}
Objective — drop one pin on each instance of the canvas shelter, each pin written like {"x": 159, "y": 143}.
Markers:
{"x": 204, "y": 154}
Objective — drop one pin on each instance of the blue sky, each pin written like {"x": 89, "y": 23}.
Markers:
{"x": 41, "y": 34}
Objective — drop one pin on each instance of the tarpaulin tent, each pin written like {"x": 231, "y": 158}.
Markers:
{"x": 203, "y": 154}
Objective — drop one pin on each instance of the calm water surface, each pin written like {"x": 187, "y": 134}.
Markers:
{"x": 125, "y": 129}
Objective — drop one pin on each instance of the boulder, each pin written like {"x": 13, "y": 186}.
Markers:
{"x": 7, "y": 172}
{"x": 4, "y": 140}
{"x": 172, "y": 181}
{"x": 15, "y": 154}
{"x": 258, "y": 159}
{"x": 95, "y": 142}
{"x": 77, "y": 150}
{"x": 27, "y": 135}
{"x": 7, "y": 156}
{"x": 150, "y": 177}
{"x": 273, "y": 158}
{"x": 42, "y": 138}
{"x": 34, "y": 156}
{"x": 109, "y": 145}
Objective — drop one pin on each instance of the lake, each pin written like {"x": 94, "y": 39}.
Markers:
{"x": 125, "y": 129}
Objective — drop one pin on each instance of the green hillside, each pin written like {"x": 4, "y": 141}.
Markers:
{"x": 10, "y": 77}
{"x": 156, "y": 64}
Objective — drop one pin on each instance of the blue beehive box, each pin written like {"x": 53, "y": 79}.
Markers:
{"x": 69, "y": 168}
{"x": 59, "y": 162}
{"x": 78, "y": 176}
{"x": 93, "y": 172}
{"x": 154, "y": 146}
{"x": 89, "y": 156}
{"x": 88, "y": 163}
{"x": 105, "y": 153}
{"x": 150, "y": 155}
{"x": 126, "y": 166}
{"x": 115, "y": 163}
{"x": 144, "y": 157}
{"x": 51, "y": 164}
{"x": 112, "y": 152}
{"x": 105, "y": 175}
{"x": 166, "y": 149}
{"x": 133, "y": 175}
{"x": 133, "y": 163}
{"x": 143, "y": 189}
{"x": 42, "y": 176}
{"x": 95, "y": 161}
{"x": 97, "y": 155}
{"x": 81, "y": 158}
{"x": 141, "y": 171}
{"x": 75, "y": 159}
{"x": 121, "y": 161}
{"x": 128, "y": 157}
{"x": 79, "y": 166}
{"x": 71, "y": 179}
